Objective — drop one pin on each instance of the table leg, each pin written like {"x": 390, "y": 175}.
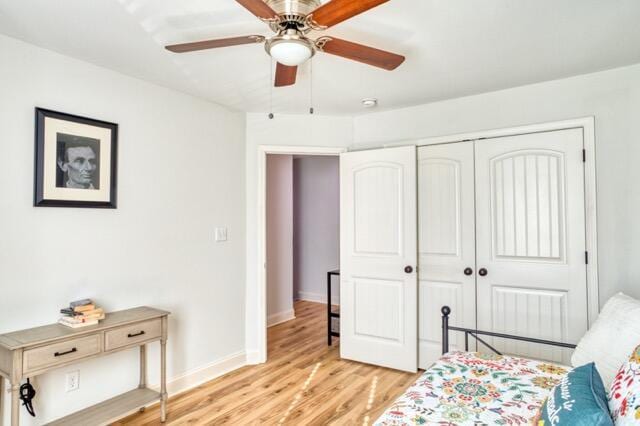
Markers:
{"x": 2, "y": 392}
{"x": 15, "y": 404}
{"x": 329, "y": 309}
{"x": 143, "y": 367}
{"x": 163, "y": 380}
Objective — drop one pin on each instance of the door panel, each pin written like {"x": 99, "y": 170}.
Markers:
{"x": 378, "y": 240}
{"x": 531, "y": 239}
{"x": 378, "y": 306}
{"x": 528, "y": 211}
{"x": 377, "y": 190}
{"x": 522, "y": 308}
{"x": 446, "y": 223}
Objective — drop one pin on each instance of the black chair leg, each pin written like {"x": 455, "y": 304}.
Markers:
{"x": 329, "y": 340}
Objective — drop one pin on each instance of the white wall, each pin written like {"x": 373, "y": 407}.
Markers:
{"x": 316, "y": 235}
{"x": 613, "y": 97}
{"x": 294, "y": 130}
{"x": 181, "y": 173}
{"x": 279, "y": 238}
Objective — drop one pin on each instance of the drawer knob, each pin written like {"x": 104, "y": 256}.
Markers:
{"x": 65, "y": 353}
{"x": 135, "y": 335}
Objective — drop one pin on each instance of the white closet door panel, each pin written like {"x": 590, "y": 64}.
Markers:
{"x": 528, "y": 217}
{"x": 377, "y": 215}
{"x": 517, "y": 311}
{"x": 378, "y": 240}
{"x": 446, "y": 244}
{"x": 531, "y": 239}
{"x": 439, "y": 183}
{"x": 433, "y": 295}
{"x": 378, "y": 307}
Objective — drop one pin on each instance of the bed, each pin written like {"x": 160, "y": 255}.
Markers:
{"x": 474, "y": 388}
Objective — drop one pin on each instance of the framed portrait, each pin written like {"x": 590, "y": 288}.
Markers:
{"x": 75, "y": 161}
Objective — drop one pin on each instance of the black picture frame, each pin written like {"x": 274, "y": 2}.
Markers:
{"x": 39, "y": 176}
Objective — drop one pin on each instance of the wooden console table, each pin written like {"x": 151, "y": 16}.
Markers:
{"x": 29, "y": 353}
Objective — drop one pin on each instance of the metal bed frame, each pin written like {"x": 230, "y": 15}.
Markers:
{"x": 446, "y": 311}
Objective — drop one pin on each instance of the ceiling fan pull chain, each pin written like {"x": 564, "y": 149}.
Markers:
{"x": 311, "y": 110}
{"x": 271, "y": 89}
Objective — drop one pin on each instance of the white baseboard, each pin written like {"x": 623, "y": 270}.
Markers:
{"x": 317, "y": 297}
{"x": 200, "y": 375}
{"x": 280, "y": 317}
{"x": 253, "y": 358}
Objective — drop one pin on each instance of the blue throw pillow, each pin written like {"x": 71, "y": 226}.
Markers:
{"x": 578, "y": 400}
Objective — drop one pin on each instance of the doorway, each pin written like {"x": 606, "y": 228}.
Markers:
{"x": 302, "y": 216}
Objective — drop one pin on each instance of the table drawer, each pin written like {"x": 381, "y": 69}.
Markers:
{"x": 60, "y": 353}
{"x": 133, "y": 333}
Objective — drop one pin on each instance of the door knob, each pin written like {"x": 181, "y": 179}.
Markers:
{"x": 482, "y": 272}
{"x": 408, "y": 269}
{"x": 468, "y": 271}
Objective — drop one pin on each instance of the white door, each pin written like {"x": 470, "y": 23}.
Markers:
{"x": 446, "y": 229}
{"x": 531, "y": 240}
{"x": 378, "y": 245}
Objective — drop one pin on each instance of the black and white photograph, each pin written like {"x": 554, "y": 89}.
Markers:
{"x": 78, "y": 162}
{"x": 75, "y": 161}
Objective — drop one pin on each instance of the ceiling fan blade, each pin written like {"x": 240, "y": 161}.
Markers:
{"x": 259, "y": 8}
{"x": 285, "y": 75}
{"x": 358, "y": 52}
{"x": 213, "y": 44}
{"x": 336, "y": 11}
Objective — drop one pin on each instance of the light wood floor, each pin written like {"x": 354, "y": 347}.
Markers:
{"x": 304, "y": 382}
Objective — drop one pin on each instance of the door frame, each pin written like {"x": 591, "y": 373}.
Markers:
{"x": 587, "y": 124}
{"x": 263, "y": 151}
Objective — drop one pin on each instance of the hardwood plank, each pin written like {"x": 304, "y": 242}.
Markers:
{"x": 303, "y": 382}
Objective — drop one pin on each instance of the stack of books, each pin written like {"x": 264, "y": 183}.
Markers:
{"x": 81, "y": 313}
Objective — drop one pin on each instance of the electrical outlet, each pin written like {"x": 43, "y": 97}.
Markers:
{"x": 72, "y": 382}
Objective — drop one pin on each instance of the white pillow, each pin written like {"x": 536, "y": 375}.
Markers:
{"x": 611, "y": 339}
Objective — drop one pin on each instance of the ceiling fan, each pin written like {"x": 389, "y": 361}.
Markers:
{"x": 292, "y": 20}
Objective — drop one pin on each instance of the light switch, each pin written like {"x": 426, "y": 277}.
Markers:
{"x": 221, "y": 234}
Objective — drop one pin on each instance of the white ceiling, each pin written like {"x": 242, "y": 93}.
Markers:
{"x": 453, "y": 47}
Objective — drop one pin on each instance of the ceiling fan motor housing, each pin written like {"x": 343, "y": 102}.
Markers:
{"x": 292, "y": 13}
{"x": 294, "y": 7}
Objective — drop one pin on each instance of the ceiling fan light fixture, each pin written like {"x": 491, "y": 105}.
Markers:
{"x": 290, "y": 48}
{"x": 291, "y": 53}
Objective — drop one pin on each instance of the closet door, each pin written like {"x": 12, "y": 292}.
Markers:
{"x": 531, "y": 240}
{"x": 378, "y": 249}
{"x": 446, "y": 229}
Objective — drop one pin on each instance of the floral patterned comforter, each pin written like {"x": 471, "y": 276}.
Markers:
{"x": 468, "y": 388}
